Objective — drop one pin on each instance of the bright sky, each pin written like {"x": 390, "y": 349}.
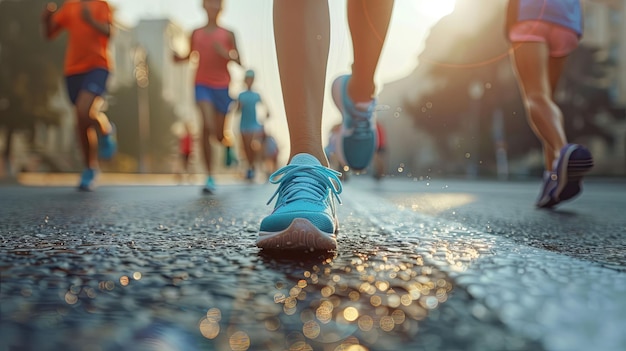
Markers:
{"x": 251, "y": 20}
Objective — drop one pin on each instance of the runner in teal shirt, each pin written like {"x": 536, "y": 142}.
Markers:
{"x": 250, "y": 128}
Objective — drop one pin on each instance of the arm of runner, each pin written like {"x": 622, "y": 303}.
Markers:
{"x": 102, "y": 27}
{"x": 179, "y": 58}
{"x": 51, "y": 28}
{"x": 221, "y": 50}
{"x": 233, "y": 54}
{"x": 267, "y": 110}
{"x": 234, "y": 106}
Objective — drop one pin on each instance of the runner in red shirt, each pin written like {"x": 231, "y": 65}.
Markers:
{"x": 215, "y": 48}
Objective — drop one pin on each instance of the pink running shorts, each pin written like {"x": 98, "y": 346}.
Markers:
{"x": 561, "y": 41}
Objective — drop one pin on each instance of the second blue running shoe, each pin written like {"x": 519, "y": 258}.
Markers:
{"x": 304, "y": 216}
{"x": 358, "y": 129}
{"x": 565, "y": 182}
{"x": 107, "y": 144}
{"x": 87, "y": 179}
{"x": 250, "y": 174}
{"x": 209, "y": 186}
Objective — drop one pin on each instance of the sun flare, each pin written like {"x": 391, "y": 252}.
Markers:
{"x": 435, "y": 8}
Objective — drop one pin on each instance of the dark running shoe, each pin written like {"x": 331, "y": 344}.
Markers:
{"x": 565, "y": 182}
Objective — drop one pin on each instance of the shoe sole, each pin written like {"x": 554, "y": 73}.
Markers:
{"x": 300, "y": 235}
{"x": 571, "y": 173}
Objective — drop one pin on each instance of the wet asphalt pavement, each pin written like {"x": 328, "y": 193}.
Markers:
{"x": 421, "y": 265}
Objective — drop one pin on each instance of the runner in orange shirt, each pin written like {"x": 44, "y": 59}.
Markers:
{"x": 86, "y": 69}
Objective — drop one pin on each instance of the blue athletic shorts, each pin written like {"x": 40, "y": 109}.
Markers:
{"x": 219, "y": 97}
{"x": 93, "y": 81}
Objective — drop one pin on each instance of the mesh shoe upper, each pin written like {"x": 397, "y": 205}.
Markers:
{"x": 209, "y": 186}
{"x": 107, "y": 144}
{"x": 306, "y": 190}
{"x": 564, "y": 183}
{"x": 359, "y": 127}
{"x": 87, "y": 179}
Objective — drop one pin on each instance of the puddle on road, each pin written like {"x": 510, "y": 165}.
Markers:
{"x": 363, "y": 301}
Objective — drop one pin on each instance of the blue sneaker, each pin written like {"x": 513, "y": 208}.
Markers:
{"x": 87, "y": 179}
{"x": 250, "y": 174}
{"x": 304, "y": 215}
{"x": 209, "y": 186}
{"x": 358, "y": 129}
{"x": 230, "y": 158}
{"x": 107, "y": 144}
{"x": 565, "y": 182}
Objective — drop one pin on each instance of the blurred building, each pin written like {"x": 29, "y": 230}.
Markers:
{"x": 605, "y": 31}
{"x": 605, "y": 28}
{"x": 122, "y": 47}
{"x": 144, "y": 54}
{"x": 159, "y": 38}
{"x": 155, "y": 39}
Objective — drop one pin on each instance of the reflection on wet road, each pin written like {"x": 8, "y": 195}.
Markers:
{"x": 335, "y": 303}
{"x": 165, "y": 269}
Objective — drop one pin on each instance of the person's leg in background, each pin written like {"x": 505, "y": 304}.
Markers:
{"x": 538, "y": 67}
{"x": 208, "y": 116}
{"x": 95, "y": 131}
{"x": 544, "y": 116}
{"x": 248, "y": 139}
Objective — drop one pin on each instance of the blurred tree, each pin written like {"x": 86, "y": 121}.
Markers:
{"x": 482, "y": 56}
{"x": 459, "y": 121}
{"x": 584, "y": 94}
{"x": 31, "y": 72}
{"x": 30, "y": 68}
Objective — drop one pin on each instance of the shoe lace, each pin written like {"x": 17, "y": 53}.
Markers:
{"x": 305, "y": 182}
{"x": 362, "y": 120}
{"x": 361, "y": 126}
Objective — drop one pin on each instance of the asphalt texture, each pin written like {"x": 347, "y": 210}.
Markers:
{"x": 421, "y": 265}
